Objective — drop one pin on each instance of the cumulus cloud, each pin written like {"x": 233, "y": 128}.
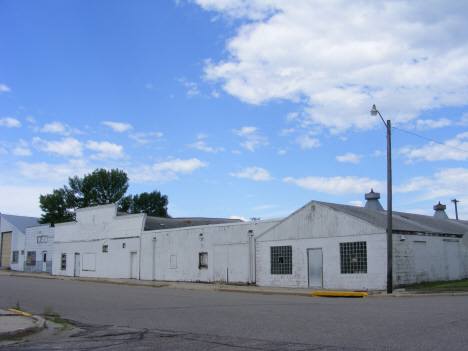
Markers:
{"x": 117, "y": 126}
{"x": 237, "y": 217}
{"x": 149, "y": 86}
{"x": 4, "y": 89}
{"x": 356, "y": 203}
{"x": 192, "y": 86}
{"x": 54, "y": 127}
{"x": 201, "y": 145}
{"x": 22, "y": 149}
{"x": 165, "y": 171}
{"x": 10, "y": 122}
{"x": 349, "y": 157}
{"x": 253, "y": 139}
{"x": 285, "y": 132}
{"x": 254, "y": 173}
{"x": 337, "y": 185}
{"x": 306, "y": 142}
{"x": 53, "y": 172}
{"x": 431, "y": 124}
{"x": 30, "y": 119}
{"x": 454, "y": 149}
{"x": 324, "y": 57}
{"x": 146, "y": 138}
{"x": 65, "y": 147}
{"x": 106, "y": 150}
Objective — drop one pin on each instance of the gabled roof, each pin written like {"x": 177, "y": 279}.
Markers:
{"x": 160, "y": 223}
{"x": 401, "y": 222}
{"x": 21, "y": 222}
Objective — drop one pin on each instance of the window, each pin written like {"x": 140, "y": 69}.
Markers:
{"x": 42, "y": 239}
{"x": 281, "y": 259}
{"x": 123, "y": 246}
{"x": 63, "y": 262}
{"x": 14, "y": 258}
{"x": 105, "y": 248}
{"x": 353, "y": 257}
{"x": 203, "y": 260}
{"x": 31, "y": 258}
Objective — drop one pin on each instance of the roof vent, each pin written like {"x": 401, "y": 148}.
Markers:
{"x": 373, "y": 202}
{"x": 440, "y": 211}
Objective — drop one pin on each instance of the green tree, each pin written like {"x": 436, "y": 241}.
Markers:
{"x": 100, "y": 187}
{"x": 153, "y": 204}
{"x": 55, "y": 207}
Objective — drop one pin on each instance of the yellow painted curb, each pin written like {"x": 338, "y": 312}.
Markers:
{"x": 18, "y": 311}
{"x": 338, "y": 294}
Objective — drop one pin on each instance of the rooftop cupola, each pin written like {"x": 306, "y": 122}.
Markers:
{"x": 440, "y": 211}
{"x": 373, "y": 201}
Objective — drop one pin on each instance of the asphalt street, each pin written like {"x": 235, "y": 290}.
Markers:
{"x": 426, "y": 323}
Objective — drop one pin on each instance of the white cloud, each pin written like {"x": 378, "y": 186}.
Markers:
{"x": 22, "y": 149}
{"x": 237, "y": 217}
{"x": 284, "y": 132}
{"x": 254, "y": 173}
{"x": 149, "y": 86}
{"x": 3, "y": 151}
{"x": 454, "y": 149}
{"x": 106, "y": 150}
{"x": 281, "y": 152}
{"x": 165, "y": 171}
{"x": 146, "y": 138}
{"x": 336, "y": 185}
{"x": 202, "y": 136}
{"x": 356, "y": 203}
{"x": 53, "y": 173}
{"x": 201, "y": 145}
{"x": 54, "y": 127}
{"x": 253, "y": 139}
{"x": 291, "y": 116}
{"x": 349, "y": 157}
{"x": 10, "y": 122}
{"x": 264, "y": 207}
{"x": 4, "y": 88}
{"x": 65, "y": 147}
{"x": 331, "y": 58}
{"x": 22, "y": 200}
{"x": 306, "y": 142}
{"x": 193, "y": 87}
{"x": 431, "y": 124}
{"x": 117, "y": 126}
{"x": 30, "y": 119}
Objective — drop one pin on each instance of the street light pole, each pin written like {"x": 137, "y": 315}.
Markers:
{"x": 374, "y": 112}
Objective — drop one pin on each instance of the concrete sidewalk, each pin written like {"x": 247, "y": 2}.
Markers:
{"x": 16, "y": 324}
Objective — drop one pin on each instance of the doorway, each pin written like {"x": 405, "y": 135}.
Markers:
{"x": 44, "y": 261}
{"x": 77, "y": 265}
{"x": 315, "y": 259}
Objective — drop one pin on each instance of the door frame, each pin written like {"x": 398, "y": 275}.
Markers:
{"x": 308, "y": 268}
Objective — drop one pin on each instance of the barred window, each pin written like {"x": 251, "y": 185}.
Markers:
{"x": 281, "y": 259}
{"x": 63, "y": 263}
{"x": 353, "y": 257}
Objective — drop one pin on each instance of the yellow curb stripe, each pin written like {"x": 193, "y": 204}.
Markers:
{"x": 18, "y": 311}
{"x": 338, "y": 294}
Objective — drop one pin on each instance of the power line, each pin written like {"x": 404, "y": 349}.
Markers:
{"x": 453, "y": 147}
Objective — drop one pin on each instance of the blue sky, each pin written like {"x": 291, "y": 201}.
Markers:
{"x": 236, "y": 108}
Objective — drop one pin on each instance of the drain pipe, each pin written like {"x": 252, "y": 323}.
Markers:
{"x": 251, "y": 253}
{"x": 154, "y": 258}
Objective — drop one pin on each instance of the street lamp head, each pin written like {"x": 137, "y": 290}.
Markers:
{"x": 374, "y": 111}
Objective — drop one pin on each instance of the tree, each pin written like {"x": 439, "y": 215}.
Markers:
{"x": 100, "y": 187}
{"x": 55, "y": 207}
{"x": 153, "y": 204}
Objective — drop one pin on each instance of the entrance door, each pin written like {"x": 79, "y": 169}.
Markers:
{"x": 133, "y": 265}
{"x": 315, "y": 267}
{"x": 6, "y": 250}
{"x": 44, "y": 261}
{"x": 77, "y": 265}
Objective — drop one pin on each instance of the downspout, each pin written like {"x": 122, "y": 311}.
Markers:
{"x": 141, "y": 237}
{"x": 251, "y": 252}
{"x": 154, "y": 258}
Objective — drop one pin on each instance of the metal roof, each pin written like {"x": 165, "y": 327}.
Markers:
{"x": 159, "y": 223}
{"x": 21, "y": 222}
{"x": 403, "y": 222}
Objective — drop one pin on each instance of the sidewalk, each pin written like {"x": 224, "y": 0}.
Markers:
{"x": 220, "y": 286}
{"x": 16, "y": 324}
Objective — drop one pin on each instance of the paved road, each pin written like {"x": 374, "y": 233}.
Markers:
{"x": 429, "y": 323}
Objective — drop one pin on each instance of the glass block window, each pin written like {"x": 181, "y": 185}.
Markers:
{"x": 281, "y": 259}
{"x": 353, "y": 257}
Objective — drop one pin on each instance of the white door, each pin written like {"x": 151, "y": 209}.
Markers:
{"x": 77, "y": 265}
{"x": 44, "y": 261}
{"x": 315, "y": 267}
{"x": 133, "y": 265}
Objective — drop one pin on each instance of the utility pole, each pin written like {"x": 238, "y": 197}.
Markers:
{"x": 456, "y": 210}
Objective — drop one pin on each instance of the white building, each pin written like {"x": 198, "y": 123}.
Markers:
{"x": 12, "y": 230}
{"x": 39, "y": 242}
{"x": 321, "y": 245}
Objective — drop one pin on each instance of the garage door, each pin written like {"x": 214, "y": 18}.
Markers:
{"x": 6, "y": 250}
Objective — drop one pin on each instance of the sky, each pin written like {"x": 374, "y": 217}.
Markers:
{"x": 243, "y": 109}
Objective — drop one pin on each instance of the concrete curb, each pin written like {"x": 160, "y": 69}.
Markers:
{"x": 39, "y": 324}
